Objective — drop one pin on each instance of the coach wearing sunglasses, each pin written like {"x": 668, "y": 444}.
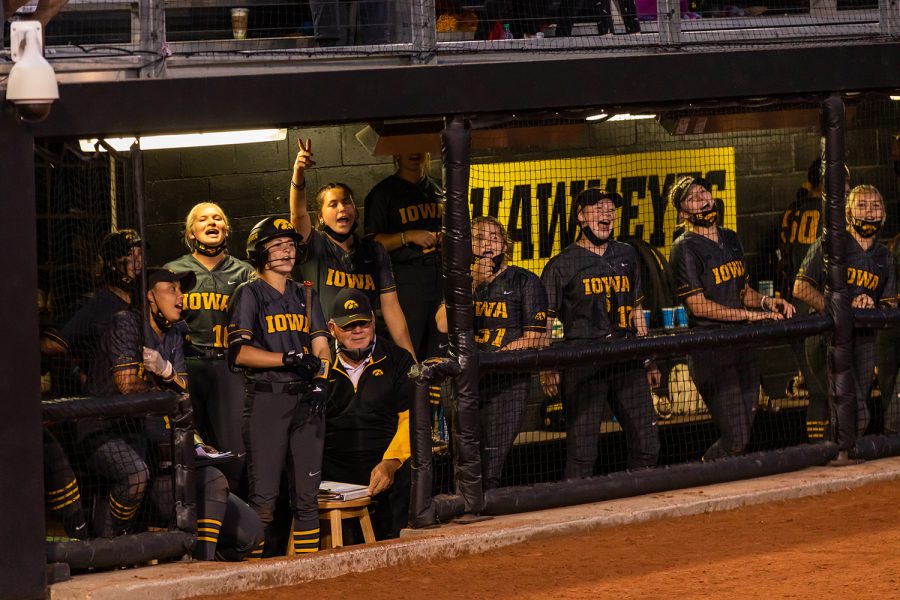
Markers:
{"x": 367, "y": 417}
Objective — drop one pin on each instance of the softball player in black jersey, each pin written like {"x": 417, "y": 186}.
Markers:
{"x": 336, "y": 257}
{"x": 872, "y": 282}
{"x": 217, "y": 393}
{"x": 277, "y": 335}
{"x": 510, "y": 314}
{"x": 711, "y": 280}
{"x": 405, "y": 213}
{"x": 594, "y": 287}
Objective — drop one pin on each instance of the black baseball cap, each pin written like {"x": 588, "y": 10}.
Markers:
{"x": 350, "y": 306}
{"x": 679, "y": 190}
{"x": 157, "y": 274}
{"x": 593, "y": 195}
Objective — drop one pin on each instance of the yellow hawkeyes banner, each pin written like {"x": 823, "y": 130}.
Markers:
{"x": 533, "y": 199}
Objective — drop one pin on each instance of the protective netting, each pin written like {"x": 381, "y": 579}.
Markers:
{"x": 725, "y": 262}
{"x": 110, "y": 461}
{"x": 146, "y": 33}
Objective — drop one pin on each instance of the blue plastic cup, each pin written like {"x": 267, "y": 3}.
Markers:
{"x": 647, "y": 315}
{"x": 681, "y": 319}
{"x": 668, "y": 315}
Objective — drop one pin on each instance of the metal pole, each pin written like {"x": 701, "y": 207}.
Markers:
{"x": 153, "y": 36}
{"x": 889, "y": 17}
{"x": 835, "y": 240}
{"x": 668, "y": 18}
{"x": 424, "y": 34}
{"x": 22, "y": 556}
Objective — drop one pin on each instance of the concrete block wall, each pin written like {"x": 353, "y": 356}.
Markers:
{"x": 252, "y": 181}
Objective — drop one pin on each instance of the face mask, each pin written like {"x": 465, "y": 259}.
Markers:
{"x": 160, "y": 319}
{"x": 497, "y": 261}
{"x": 340, "y": 237}
{"x": 590, "y": 235}
{"x": 205, "y": 250}
{"x": 706, "y": 218}
{"x": 866, "y": 229}
{"x": 355, "y": 354}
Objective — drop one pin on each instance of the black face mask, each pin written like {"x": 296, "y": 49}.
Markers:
{"x": 706, "y": 218}
{"x": 590, "y": 235}
{"x": 497, "y": 261}
{"x": 340, "y": 237}
{"x": 864, "y": 228}
{"x": 160, "y": 319}
{"x": 205, "y": 250}
{"x": 356, "y": 354}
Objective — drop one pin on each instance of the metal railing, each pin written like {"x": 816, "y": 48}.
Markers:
{"x": 128, "y": 34}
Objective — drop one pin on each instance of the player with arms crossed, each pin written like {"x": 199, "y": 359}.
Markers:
{"x": 217, "y": 394}
{"x": 277, "y": 335}
{"x": 594, "y": 287}
{"x": 405, "y": 213}
{"x": 872, "y": 282}
{"x": 711, "y": 280}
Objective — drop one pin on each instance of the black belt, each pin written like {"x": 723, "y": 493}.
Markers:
{"x": 208, "y": 353}
{"x": 294, "y": 388}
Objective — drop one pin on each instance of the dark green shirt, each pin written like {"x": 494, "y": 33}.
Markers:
{"x": 206, "y": 306}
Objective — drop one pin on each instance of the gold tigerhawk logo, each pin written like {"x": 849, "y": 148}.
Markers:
{"x": 377, "y": 372}
{"x": 350, "y": 304}
{"x": 540, "y": 316}
{"x": 282, "y": 224}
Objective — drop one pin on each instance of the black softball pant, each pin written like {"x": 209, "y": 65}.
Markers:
{"x": 227, "y": 528}
{"x": 588, "y": 391}
{"x": 217, "y": 397}
{"x": 728, "y": 381}
{"x": 887, "y": 345}
{"x": 63, "y": 498}
{"x": 851, "y": 420}
{"x": 501, "y": 413}
{"x": 124, "y": 470}
{"x": 279, "y": 434}
{"x": 420, "y": 291}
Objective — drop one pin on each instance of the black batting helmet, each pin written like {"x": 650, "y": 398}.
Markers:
{"x": 118, "y": 244}
{"x": 269, "y": 229}
{"x": 114, "y": 247}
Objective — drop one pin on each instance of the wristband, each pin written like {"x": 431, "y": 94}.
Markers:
{"x": 324, "y": 370}
{"x": 402, "y": 238}
{"x": 762, "y": 304}
{"x": 298, "y": 186}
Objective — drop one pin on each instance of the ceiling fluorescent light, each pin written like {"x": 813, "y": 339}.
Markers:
{"x": 895, "y": 98}
{"x": 597, "y": 117}
{"x": 630, "y": 117}
{"x": 189, "y": 140}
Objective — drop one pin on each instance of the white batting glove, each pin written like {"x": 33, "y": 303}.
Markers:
{"x": 156, "y": 364}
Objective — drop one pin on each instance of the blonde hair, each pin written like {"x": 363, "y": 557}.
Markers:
{"x": 192, "y": 216}
{"x": 860, "y": 190}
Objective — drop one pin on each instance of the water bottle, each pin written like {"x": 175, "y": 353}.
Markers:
{"x": 507, "y": 34}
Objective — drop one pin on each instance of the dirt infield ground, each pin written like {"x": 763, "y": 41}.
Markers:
{"x": 843, "y": 545}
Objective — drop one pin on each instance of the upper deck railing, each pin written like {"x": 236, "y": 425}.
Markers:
{"x": 158, "y": 38}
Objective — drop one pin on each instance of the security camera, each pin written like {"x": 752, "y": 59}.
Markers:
{"x": 31, "y": 86}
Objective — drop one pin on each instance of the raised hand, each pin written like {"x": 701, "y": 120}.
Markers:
{"x": 304, "y": 158}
